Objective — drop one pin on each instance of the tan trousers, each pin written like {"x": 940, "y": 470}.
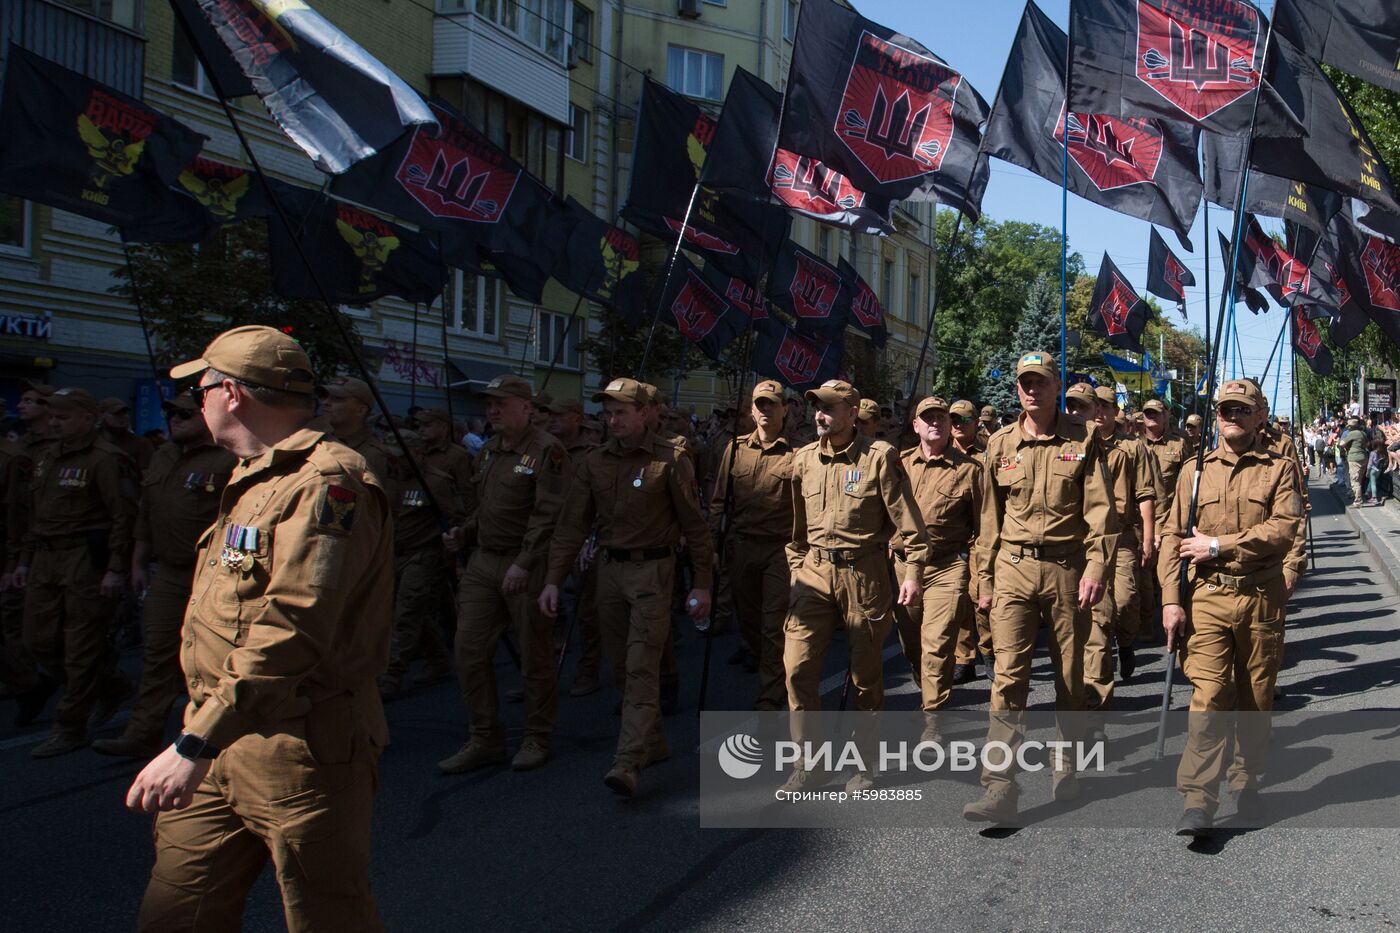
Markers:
{"x": 974, "y": 626}
{"x": 1357, "y": 474}
{"x": 938, "y": 616}
{"x": 1115, "y": 621}
{"x": 484, "y": 613}
{"x": 1029, "y": 593}
{"x": 162, "y": 683}
{"x": 304, "y": 804}
{"x": 1232, "y": 658}
{"x": 854, "y": 596}
{"x": 761, "y": 582}
{"x": 420, "y": 579}
{"x": 65, "y": 628}
{"x": 634, "y": 613}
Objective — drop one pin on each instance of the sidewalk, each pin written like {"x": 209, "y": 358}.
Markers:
{"x": 1377, "y": 528}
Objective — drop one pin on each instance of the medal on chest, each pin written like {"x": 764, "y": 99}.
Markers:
{"x": 526, "y": 466}
{"x": 240, "y": 541}
{"x": 413, "y": 498}
{"x": 850, "y": 479}
{"x": 637, "y": 481}
{"x": 1070, "y": 458}
{"x": 196, "y": 482}
{"x": 72, "y": 477}
{"x": 1008, "y": 463}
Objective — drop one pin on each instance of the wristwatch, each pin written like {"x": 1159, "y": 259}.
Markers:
{"x": 193, "y": 747}
{"x": 1214, "y": 548}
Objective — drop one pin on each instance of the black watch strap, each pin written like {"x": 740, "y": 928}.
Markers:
{"x": 193, "y": 747}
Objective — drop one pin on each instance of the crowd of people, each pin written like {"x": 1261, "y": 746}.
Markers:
{"x": 1360, "y": 455}
{"x": 297, "y": 561}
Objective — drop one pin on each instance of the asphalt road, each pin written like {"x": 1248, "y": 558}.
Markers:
{"x": 552, "y": 849}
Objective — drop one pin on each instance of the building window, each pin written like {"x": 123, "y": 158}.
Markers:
{"x": 476, "y": 304}
{"x": 185, "y": 69}
{"x": 122, "y": 12}
{"x": 887, "y": 286}
{"x": 717, "y": 2}
{"x": 789, "y": 19}
{"x": 694, "y": 73}
{"x": 555, "y": 335}
{"x": 577, "y": 145}
{"x": 531, "y": 139}
{"x": 539, "y": 22}
{"x": 583, "y": 33}
{"x": 913, "y": 300}
{"x": 15, "y": 218}
{"x": 824, "y": 243}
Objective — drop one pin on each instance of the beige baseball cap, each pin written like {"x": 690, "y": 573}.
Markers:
{"x": 181, "y": 401}
{"x": 932, "y": 403}
{"x": 1240, "y": 390}
{"x": 432, "y": 414}
{"x": 769, "y": 389}
{"x": 1193, "y": 419}
{"x": 867, "y": 410}
{"x": 834, "y": 390}
{"x": 566, "y": 405}
{"x": 256, "y": 354}
{"x": 70, "y": 397}
{"x": 1106, "y": 395}
{"x": 508, "y": 385}
{"x": 1039, "y": 362}
{"x": 347, "y": 387}
{"x": 1082, "y": 391}
{"x": 111, "y": 405}
{"x": 988, "y": 413}
{"x": 962, "y": 408}
{"x": 624, "y": 390}
{"x": 1154, "y": 404}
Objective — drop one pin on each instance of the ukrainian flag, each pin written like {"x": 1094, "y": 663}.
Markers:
{"x": 1134, "y": 376}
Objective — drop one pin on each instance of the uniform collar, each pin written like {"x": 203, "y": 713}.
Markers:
{"x": 1061, "y": 427}
{"x": 294, "y": 446}
{"x": 753, "y": 440}
{"x": 949, "y": 452}
{"x": 356, "y": 439}
{"x": 498, "y": 441}
{"x": 614, "y": 445}
{"x": 851, "y": 452}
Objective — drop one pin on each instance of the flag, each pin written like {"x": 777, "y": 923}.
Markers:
{"x": 1361, "y": 37}
{"x": 74, "y": 144}
{"x": 883, "y": 110}
{"x": 811, "y": 290}
{"x": 672, "y": 138}
{"x": 206, "y": 194}
{"x": 742, "y": 157}
{"x": 602, "y": 263}
{"x": 1292, "y": 201}
{"x": 1263, "y": 263}
{"x": 1167, "y": 277}
{"x": 358, "y": 256}
{"x": 1307, "y": 340}
{"x": 1196, "y": 61}
{"x": 332, "y": 98}
{"x": 1378, "y": 285}
{"x": 1332, "y": 257}
{"x": 798, "y": 362}
{"x": 1130, "y": 375}
{"x": 695, "y": 304}
{"x": 1116, "y": 312}
{"x": 866, "y": 311}
{"x": 1252, "y": 297}
{"x": 1141, "y": 167}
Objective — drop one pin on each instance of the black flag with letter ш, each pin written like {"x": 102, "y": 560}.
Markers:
{"x": 1265, "y": 264}
{"x": 812, "y": 290}
{"x": 206, "y": 195}
{"x": 603, "y": 263}
{"x": 798, "y": 362}
{"x": 1116, "y": 312}
{"x": 357, "y": 255}
{"x": 1269, "y": 195}
{"x": 1361, "y": 37}
{"x": 80, "y": 146}
{"x": 1140, "y": 167}
{"x": 742, "y": 157}
{"x": 1167, "y": 276}
{"x": 698, "y": 308}
{"x": 1307, "y": 341}
{"x": 1192, "y": 60}
{"x": 866, "y": 311}
{"x": 882, "y": 110}
{"x": 332, "y": 98}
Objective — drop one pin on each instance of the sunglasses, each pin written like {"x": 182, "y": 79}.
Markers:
{"x": 961, "y": 420}
{"x": 178, "y": 414}
{"x": 1234, "y": 412}
{"x": 199, "y": 390}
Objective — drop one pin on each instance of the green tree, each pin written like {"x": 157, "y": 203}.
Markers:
{"x": 191, "y": 293}
{"x": 619, "y": 345}
{"x": 1038, "y": 329}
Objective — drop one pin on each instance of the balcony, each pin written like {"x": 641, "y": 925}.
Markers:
{"x": 104, "y": 50}
{"x": 523, "y": 63}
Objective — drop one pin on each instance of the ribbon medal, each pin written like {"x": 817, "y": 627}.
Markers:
{"x": 240, "y": 542}
{"x": 1070, "y": 458}
{"x": 526, "y": 466}
{"x": 850, "y": 478}
{"x": 197, "y": 481}
{"x": 637, "y": 483}
{"x": 413, "y": 498}
{"x": 73, "y": 477}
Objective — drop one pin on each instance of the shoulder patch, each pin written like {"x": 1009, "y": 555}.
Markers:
{"x": 337, "y": 510}
{"x": 554, "y": 459}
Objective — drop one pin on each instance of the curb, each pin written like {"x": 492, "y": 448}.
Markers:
{"x": 1386, "y": 555}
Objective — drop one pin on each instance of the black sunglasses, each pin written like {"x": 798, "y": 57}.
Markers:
{"x": 178, "y": 414}
{"x": 961, "y": 419}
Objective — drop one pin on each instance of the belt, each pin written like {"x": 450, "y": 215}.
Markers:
{"x": 62, "y": 542}
{"x": 934, "y": 557}
{"x": 1043, "y": 551}
{"x": 498, "y": 551}
{"x": 1216, "y": 578}
{"x": 842, "y": 555}
{"x": 621, "y": 555}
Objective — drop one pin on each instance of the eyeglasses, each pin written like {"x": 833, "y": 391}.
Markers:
{"x": 199, "y": 390}
{"x": 178, "y": 414}
{"x": 961, "y": 420}
{"x": 1235, "y": 412}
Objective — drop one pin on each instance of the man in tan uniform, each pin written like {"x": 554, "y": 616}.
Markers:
{"x": 1247, "y": 516}
{"x": 1193, "y": 431}
{"x": 1172, "y": 450}
{"x": 285, "y": 633}
{"x": 346, "y": 404}
{"x": 1048, "y": 532}
{"x": 1134, "y": 485}
{"x": 522, "y": 475}
{"x": 641, "y": 491}
{"x": 851, "y": 502}
{"x": 760, "y": 519}
{"x": 566, "y": 423}
{"x": 115, "y": 428}
{"x": 948, "y": 487}
{"x": 868, "y": 419}
{"x": 443, "y": 453}
{"x": 974, "y": 628}
{"x": 179, "y": 499}
{"x": 799, "y": 427}
{"x": 73, "y": 566}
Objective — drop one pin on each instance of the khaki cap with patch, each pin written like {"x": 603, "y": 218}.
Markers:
{"x": 111, "y": 405}
{"x": 1106, "y": 395}
{"x": 1193, "y": 419}
{"x": 70, "y": 397}
{"x": 624, "y": 390}
{"x": 769, "y": 389}
{"x": 565, "y": 405}
{"x": 508, "y": 385}
{"x": 1240, "y": 390}
{"x": 1038, "y": 362}
{"x": 347, "y": 387}
{"x": 256, "y": 354}
{"x": 867, "y": 410}
{"x": 834, "y": 390}
{"x": 1082, "y": 391}
{"x": 932, "y": 403}
{"x": 988, "y": 413}
{"x": 962, "y": 408}
{"x": 1154, "y": 404}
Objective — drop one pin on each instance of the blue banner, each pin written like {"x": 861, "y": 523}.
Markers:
{"x": 146, "y": 414}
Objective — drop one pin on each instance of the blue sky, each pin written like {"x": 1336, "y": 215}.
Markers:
{"x": 975, "y": 39}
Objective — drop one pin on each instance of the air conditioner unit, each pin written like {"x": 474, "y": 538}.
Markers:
{"x": 690, "y": 9}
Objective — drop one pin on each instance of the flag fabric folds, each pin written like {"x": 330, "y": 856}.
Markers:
{"x": 882, "y": 110}
{"x": 205, "y": 195}
{"x": 74, "y": 144}
{"x": 1137, "y": 166}
{"x": 695, "y": 304}
{"x": 1252, "y": 297}
{"x": 1116, "y": 312}
{"x": 1130, "y": 375}
{"x": 1291, "y": 201}
{"x": 742, "y": 157}
{"x": 798, "y": 362}
{"x": 1307, "y": 341}
{"x": 1361, "y": 37}
{"x": 1265, "y": 264}
{"x": 1167, "y": 276}
{"x": 812, "y": 290}
{"x": 332, "y": 98}
{"x": 602, "y": 263}
{"x": 866, "y": 311}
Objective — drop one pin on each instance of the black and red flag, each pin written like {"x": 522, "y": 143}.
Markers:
{"x": 1141, "y": 167}
{"x": 695, "y": 303}
{"x": 206, "y": 195}
{"x": 1197, "y": 61}
{"x": 812, "y": 290}
{"x": 1266, "y": 264}
{"x": 743, "y": 157}
{"x": 866, "y": 311}
{"x": 1307, "y": 341}
{"x": 1361, "y": 37}
{"x": 1167, "y": 276}
{"x": 1116, "y": 312}
{"x": 672, "y": 140}
{"x": 358, "y": 256}
{"x": 603, "y": 263}
{"x": 798, "y": 362}
{"x": 1333, "y": 257}
{"x": 882, "y": 110}
{"x": 1251, "y": 296}
{"x": 1291, "y": 201}
{"x": 332, "y": 98}
{"x": 1379, "y": 281}
{"x": 72, "y": 143}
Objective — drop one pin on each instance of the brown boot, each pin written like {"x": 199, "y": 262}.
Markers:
{"x": 621, "y": 781}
